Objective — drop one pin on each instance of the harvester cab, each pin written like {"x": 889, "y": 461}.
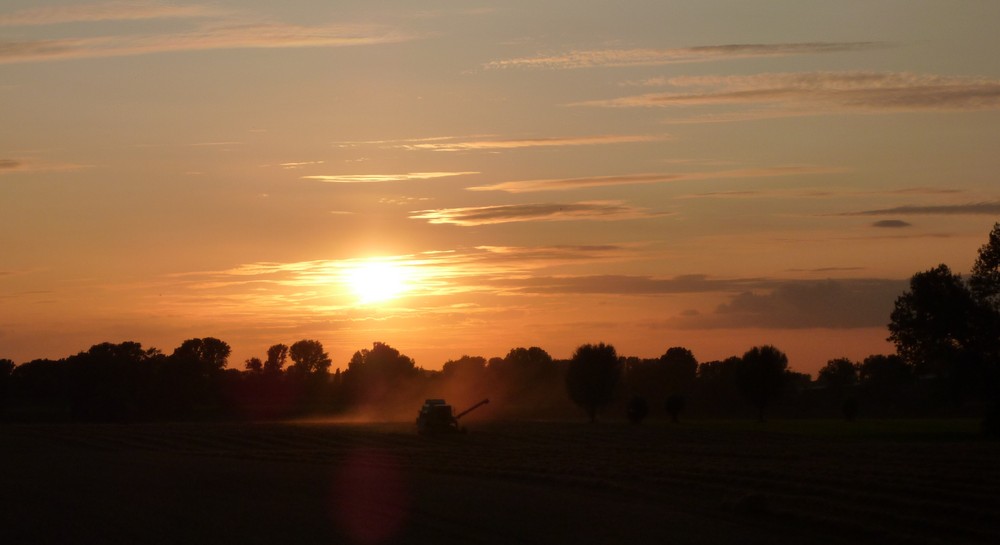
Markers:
{"x": 436, "y": 416}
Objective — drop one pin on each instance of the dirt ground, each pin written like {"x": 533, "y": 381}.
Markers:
{"x": 531, "y": 482}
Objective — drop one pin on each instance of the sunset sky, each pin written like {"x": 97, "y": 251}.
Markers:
{"x": 467, "y": 177}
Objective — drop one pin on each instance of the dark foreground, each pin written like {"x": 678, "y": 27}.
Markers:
{"x": 502, "y": 483}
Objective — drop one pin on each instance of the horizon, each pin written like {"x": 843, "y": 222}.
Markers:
{"x": 464, "y": 180}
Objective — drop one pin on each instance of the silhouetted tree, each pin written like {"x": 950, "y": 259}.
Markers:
{"x": 309, "y": 358}
{"x": 680, "y": 367}
{"x": 113, "y": 381}
{"x": 378, "y": 375}
{"x": 254, "y": 365}
{"x": 465, "y": 366}
{"x": 591, "y": 377}
{"x": 277, "y": 355}
{"x": 210, "y": 353}
{"x": 40, "y": 388}
{"x": 882, "y": 378}
{"x": 984, "y": 281}
{"x": 761, "y": 376}
{"x": 839, "y": 374}
{"x": 932, "y": 324}
{"x": 717, "y": 388}
{"x": 191, "y": 378}
{"x": 636, "y": 409}
{"x": 6, "y": 368}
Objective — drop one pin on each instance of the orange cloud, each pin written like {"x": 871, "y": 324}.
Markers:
{"x": 370, "y": 178}
{"x": 232, "y": 36}
{"x": 559, "y": 184}
{"x": 507, "y": 213}
{"x": 825, "y": 92}
{"x": 105, "y": 11}
{"x": 645, "y": 57}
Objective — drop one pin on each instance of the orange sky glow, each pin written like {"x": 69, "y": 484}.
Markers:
{"x": 466, "y": 178}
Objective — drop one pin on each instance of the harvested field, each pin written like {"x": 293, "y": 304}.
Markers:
{"x": 504, "y": 482}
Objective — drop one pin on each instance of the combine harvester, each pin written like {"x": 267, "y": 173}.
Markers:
{"x": 436, "y": 417}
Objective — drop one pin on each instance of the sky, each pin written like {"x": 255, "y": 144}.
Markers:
{"x": 468, "y": 177}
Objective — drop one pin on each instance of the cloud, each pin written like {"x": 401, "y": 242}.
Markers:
{"x": 825, "y": 92}
{"x": 891, "y": 224}
{"x": 11, "y": 166}
{"x": 370, "y": 178}
{"x": 488, "y": 215}
{"x": 646, "y": 57}
{"x": 835, "y": 304}
{"x": 628, "y": 284}
{"x": 300, "y": 164}
{"x": 560, "y": 184}
{"x": 225, "y": 36}
{"x": 105, "y": 11}
{"x": 454, "y": 144}
{"x": 751, "y": 303}
{"x": 990, "y": 208}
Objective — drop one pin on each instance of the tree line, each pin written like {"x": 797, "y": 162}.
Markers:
{"x": 946, "y": 331}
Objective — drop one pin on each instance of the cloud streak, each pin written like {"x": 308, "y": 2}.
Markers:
{"x": 989, "y": 208}
{"x": 11, "y": 166}
{"x": 825, "y": 92}
{"x": 375, "y": 178}
{"x": 831, "y": 304}
{"x": 508, "y": 213}
{"x": 548, "y": 142}
{"x": 593, "y": 58}
{"x": 562, "y": 184}
{"x": 105, "y": 11}
{"x": 233, "y": 36}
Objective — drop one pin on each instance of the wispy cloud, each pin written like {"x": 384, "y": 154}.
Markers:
{"x": 825, "y": 92}
{"x": 488, "y": 215}
{"x": 10, "y": 166}
{"x": 454, "y": 144}
{"x": 491, "y": 143}
{"x": 639, "y": 57}
{"x": 990, "y": 208}
{"x": 221, "y": 36}
{"x": 891, "y": 224}
{"x": 326, "y": 284}
{"x": 104, "y": 11}
{"x": 559, "y": 184}
{"x": 370, "y": 178}
{"x": 299, "y": 164}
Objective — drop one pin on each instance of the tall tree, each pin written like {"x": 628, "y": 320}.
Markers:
{"x": 985, "y": 278}
{"x": 277, "y": 355}
{"x": 761, "y": 376}
{"x": 933, "y": 323}
{"x": 591, "y": 377}
{"x": 309, "y": 358}
{"x": 839, "y": 374}
{"x": 680, "y": 369}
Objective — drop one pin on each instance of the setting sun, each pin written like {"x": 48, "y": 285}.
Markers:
{"x": 377, "y": 281}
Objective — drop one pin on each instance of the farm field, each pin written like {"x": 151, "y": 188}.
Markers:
{"x": 504, "y": 482}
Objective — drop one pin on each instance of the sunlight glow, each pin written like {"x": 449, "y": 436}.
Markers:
{"x": 378, "y": 281}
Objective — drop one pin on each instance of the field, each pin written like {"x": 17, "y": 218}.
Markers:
{"x": 504, "y": 482}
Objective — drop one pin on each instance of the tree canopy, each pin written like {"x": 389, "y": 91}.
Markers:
{"x": 591, "y": 377}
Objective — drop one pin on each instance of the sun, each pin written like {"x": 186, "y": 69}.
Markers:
{"x": 377, "y": 281}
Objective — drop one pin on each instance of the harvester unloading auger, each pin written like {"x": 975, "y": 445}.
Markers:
{"x": 436, "y": 417}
